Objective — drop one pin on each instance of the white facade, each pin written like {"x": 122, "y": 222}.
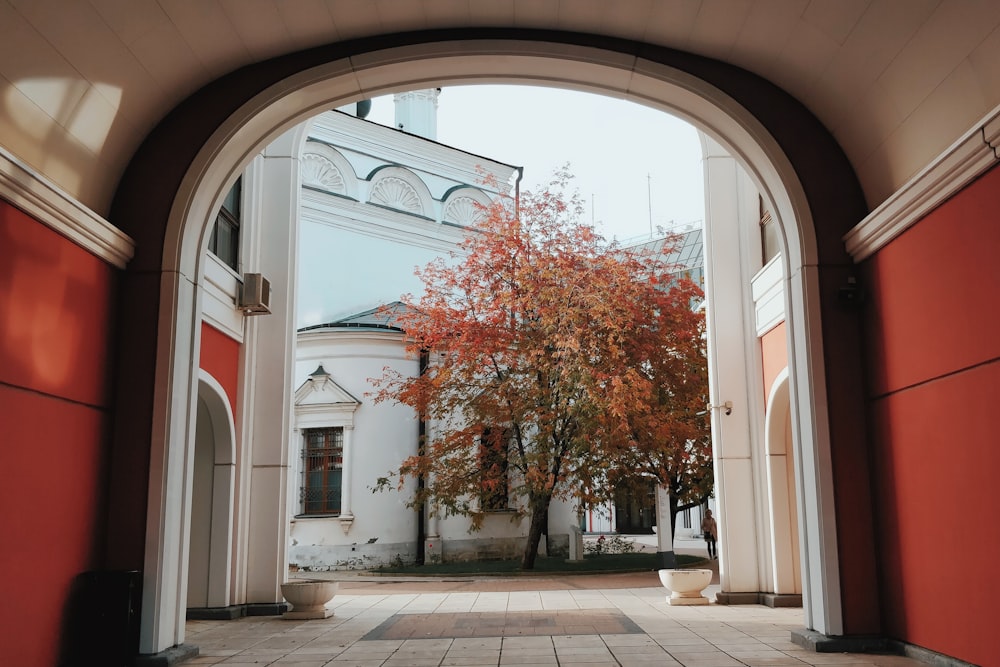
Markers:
{"x": 372, "y": 528}
{"x": 377, "y": 528}
{"x": 397, "y": 201}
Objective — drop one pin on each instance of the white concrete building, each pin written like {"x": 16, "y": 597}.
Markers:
{"x": 398, "y": 199}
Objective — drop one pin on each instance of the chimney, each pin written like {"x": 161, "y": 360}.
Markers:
{"x": 416, "y": 112}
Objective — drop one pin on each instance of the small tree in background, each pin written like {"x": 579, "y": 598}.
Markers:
{"x": 671, "y": 436}
{"x": 548, "y": 347}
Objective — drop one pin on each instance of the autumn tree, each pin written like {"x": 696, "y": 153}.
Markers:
{"x": 548, "y": 352}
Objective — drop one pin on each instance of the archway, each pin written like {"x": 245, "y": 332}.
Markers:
{"x": 213, "y": 479}
{"x": 803, "y": 177}
{"x": 780, "y": 454}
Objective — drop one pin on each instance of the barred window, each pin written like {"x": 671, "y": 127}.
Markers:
{"x": 493, "y": 461}
{"x": 322, "y": 470}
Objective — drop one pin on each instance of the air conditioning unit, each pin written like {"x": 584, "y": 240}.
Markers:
{"x": 255, "y": 295}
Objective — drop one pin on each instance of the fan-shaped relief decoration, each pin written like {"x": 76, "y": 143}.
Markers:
{"x": 393, "y": 192}
{"x": 464, "y": 211}
{"x": 320, "y": 172}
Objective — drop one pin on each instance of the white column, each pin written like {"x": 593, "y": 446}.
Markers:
{"x": 433, "y": 530}
{"x": 813, "y": 460}
{"x": 269, "y": 365}
{"x": 727, "y": 292}
{"x": 171, "y": 466}
{"x": 664, "y": 535}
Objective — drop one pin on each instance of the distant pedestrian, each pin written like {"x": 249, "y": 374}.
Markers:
{"x": 710, "y": 531}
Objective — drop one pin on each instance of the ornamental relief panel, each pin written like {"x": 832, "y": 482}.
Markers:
{"x": 393, "y": 192}
{"x": 464, "y": 211}
{"x": 319, "y": 172}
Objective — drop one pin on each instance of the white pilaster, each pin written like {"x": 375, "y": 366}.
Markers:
{"x": 729, "y": 380}
{"x": 269, "y": 367}
{"x": 784, "y": 540}
{"x": 813, "y": 462}
{"x": 168, "y": 524}
{"x": 347, "y": 480}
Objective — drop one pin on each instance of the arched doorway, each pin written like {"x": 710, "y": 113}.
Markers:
{"x": 796, "y": 166}
{"x": 780, "y": 454}
{"x": 213, "y": 479}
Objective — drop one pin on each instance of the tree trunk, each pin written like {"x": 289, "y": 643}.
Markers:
{"x": 539, "y": 516}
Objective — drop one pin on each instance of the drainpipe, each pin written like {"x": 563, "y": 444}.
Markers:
{"x": 517, "y": 192}
{"x": 421, "y": 436}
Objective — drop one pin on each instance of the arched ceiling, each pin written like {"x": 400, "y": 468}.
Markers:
{"x": 895, "y": 81}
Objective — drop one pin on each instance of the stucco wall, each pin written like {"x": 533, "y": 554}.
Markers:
{"x": 774, "y": 355}
{"x": 383, "y": 435}
{"x": 934, "y": 332}
{"x": 55, "y": 310}
{"x": 220, "y": 358}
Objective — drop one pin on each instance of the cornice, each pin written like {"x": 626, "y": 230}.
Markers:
{"x": 976, "y": 152}
{"x": 34, "y": 194}
{"x": 768, "y": 290}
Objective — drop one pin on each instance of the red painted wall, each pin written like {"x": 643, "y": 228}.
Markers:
{"x": 220, "y": 358}
{"x": 774, "y": 355}
{"x": 55, "y": 314}
{"x": 934, "y": 330}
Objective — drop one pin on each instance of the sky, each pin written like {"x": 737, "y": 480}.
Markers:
{"x": 636, "y": 168}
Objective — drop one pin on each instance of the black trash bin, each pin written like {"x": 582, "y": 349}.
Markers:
{"x": 102, "y": 619}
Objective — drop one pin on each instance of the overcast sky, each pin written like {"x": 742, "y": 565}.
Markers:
{"x": 631, "y": 164}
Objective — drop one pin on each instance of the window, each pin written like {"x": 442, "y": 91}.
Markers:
{"x": 322, "y": 470}
{"x": 225, "y": 241}
{"x": 686, "y": 515}
{"x": 493, "y": 464}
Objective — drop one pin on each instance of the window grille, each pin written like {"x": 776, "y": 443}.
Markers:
{"x": 322, "y": 470}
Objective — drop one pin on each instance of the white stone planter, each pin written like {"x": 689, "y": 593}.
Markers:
{"x": 685, "y": 586}
{"x": 308, "y": 599}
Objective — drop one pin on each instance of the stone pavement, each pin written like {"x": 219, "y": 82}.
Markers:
{"x": 581, "y": 620}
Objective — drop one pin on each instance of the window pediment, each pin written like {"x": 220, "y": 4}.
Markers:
{"x": 320, "y": 392}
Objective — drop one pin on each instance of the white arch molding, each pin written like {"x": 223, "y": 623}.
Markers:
{"x": 286, "y": 104}
{"x": 213, "y": 496}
